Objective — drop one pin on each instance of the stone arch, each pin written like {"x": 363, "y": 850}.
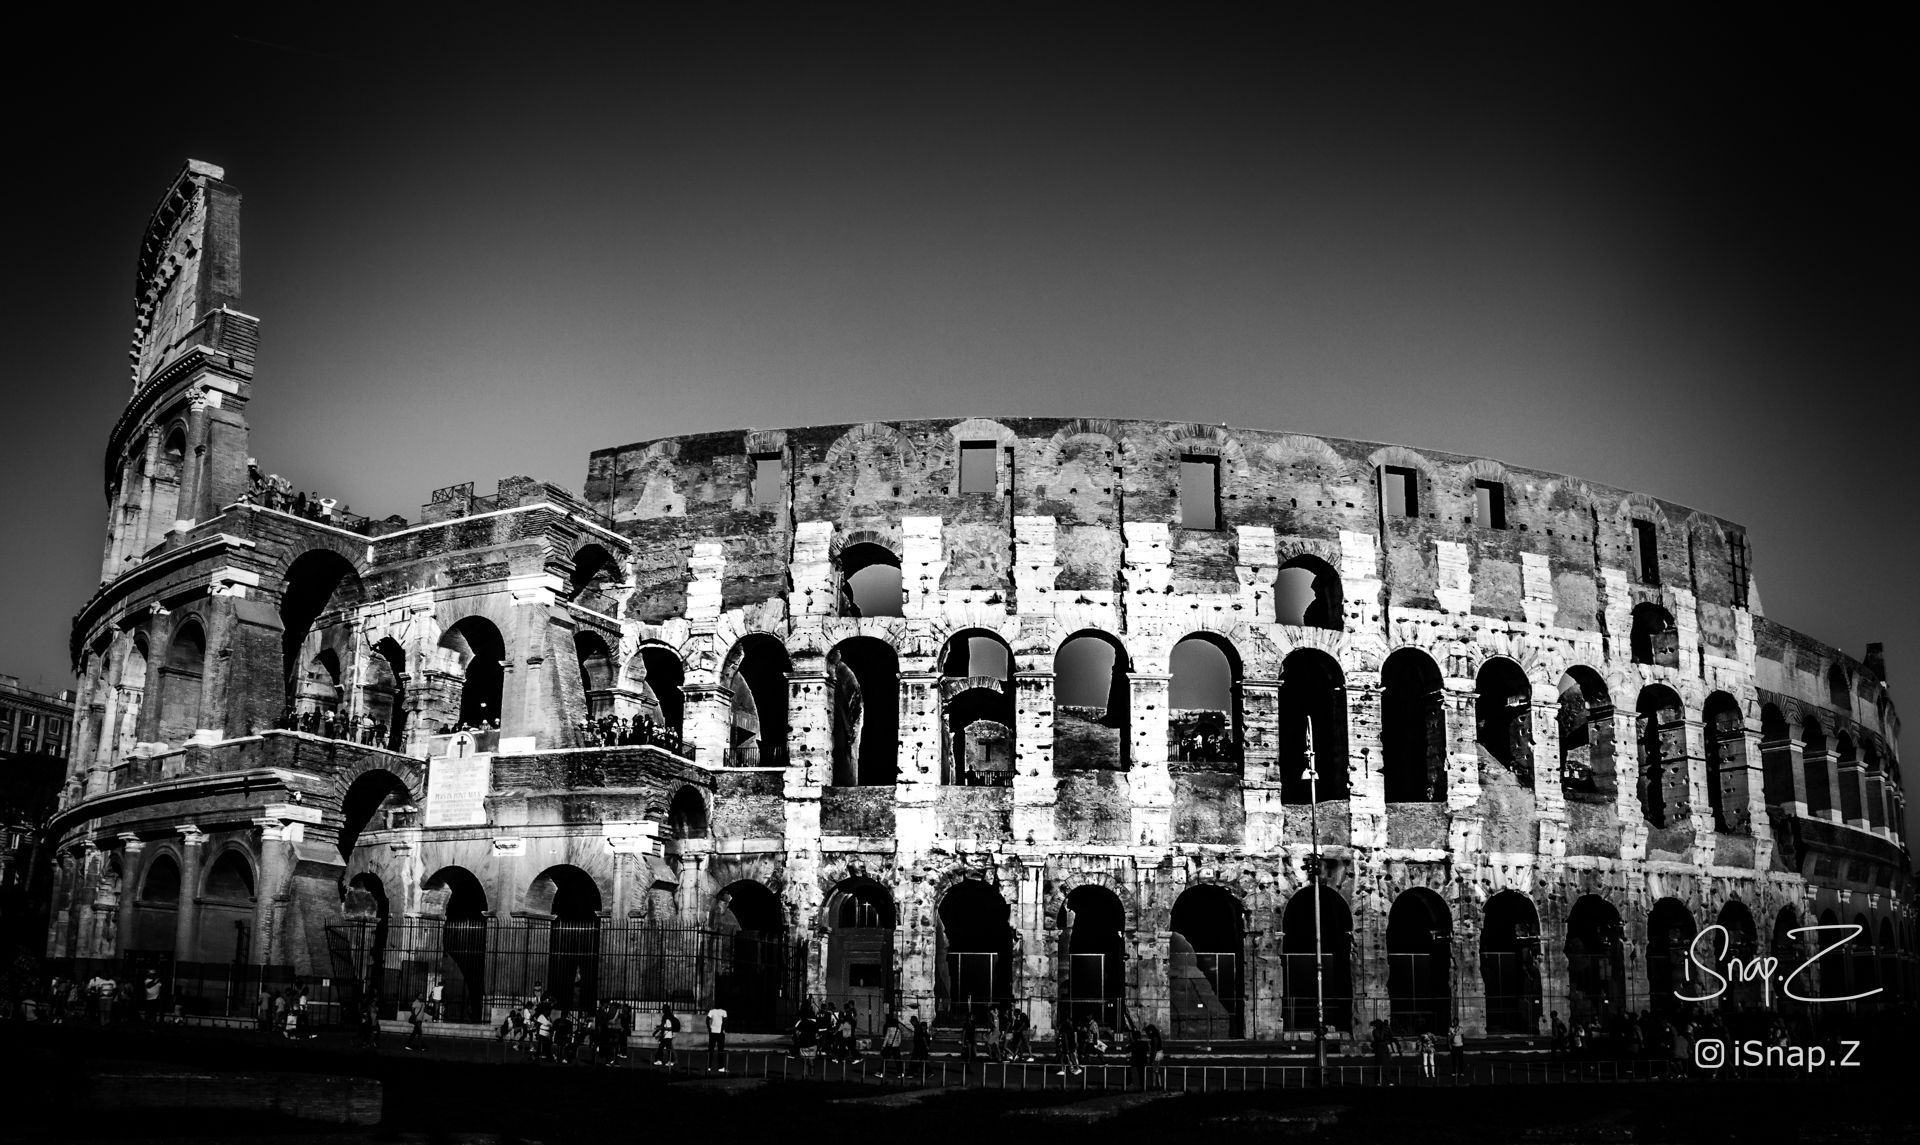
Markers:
{"x": 457, "y": 902}
{"x": 1087, "y": 736}
{"x": 756, "y": 669}
{"x": 1741, "y": 941}
{"x": 1298, "y": 946}
{"x": 1205, "y": 721}
{"x": 878, "y": 433}
{"x": 1206, "y": 974}
{"x": 1596, "y": 960}
{"x": 1670, "y": 931}
{"x": 1090, "y": 956}
{"x": 593, "y": 572}
{"x": 320, "y": 593}
{"x": 1726, "y": 745}
{"x": 1419, "y": 961}
{"x": 857, "y": 917}
{"x": 372, "y": 787}
{"x": 978, "y": 734}
{"x": 863, "y": 688}
{"x": 687, "y": 816}
{"x": 182, "y": 677}
{"x": 1503, "y": 715}
{"x": 1587, "y": 765}
{"x": 1413, "y": 728}
{"x": 1307, "y": 592}
{"x": 974, "y": 940}
{"x": 476, "y": 646}
{"x": 1663, "y": 755}
{"x": 749, "y": 924}
{"x": 1312, "y": 708}
{"x": 1510, "y": 963}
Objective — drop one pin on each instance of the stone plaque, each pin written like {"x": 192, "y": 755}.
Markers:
{"x": 457, "y": 790}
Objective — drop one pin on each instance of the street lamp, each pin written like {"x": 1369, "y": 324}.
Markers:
{"x": 1319, "y": 954}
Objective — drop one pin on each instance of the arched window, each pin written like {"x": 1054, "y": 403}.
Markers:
{"x": 1420, "y": 962}
{"x": 230, "y": 879}
{"x": 863, "y": 684}
{"x": 976, "y": 950}
{"x": 181, "y": 677}
{"x": 1586, "y": 733}
{"x": 1839, "y": 694}
{"x": 1726, "y": 760}
{"x": 1670, "y": 931}
{"x": 859, "y": 956}
{"x": 1093, "y": 955}
{"x": 1332, "y": 979}
{"x": 1776, "y": 756}
{"x": 870, "y": 583}
{"x": 756, "y": 672}
{"x": 1663, "y": 756}
{"x": 374, "y": 793}
{"x": 596, "y": 672}
{"x": 387, "y": 694}
{"x": 1741, "y": 942}
{"x": 316, "y": 614}
{"x": 569, "y": 899}
{"x": 1503, "y": 715}
{"x": 750, "y": 955}
{"x": 1308, "y": 592}
{"x": 1653, "y": 638}
{"x": 1204, "y": 968}
{"x": 1312, "y": 708}
{"x": 1092, "y": 703}
{"x": 1203, "y": 718}
{"x": 1510, "y": 963}
{"x": 687, "y": 818}
{"x": 479, "y": 653}
{"x": 976, "y": 699}
{"x": 1819, "y": 765}
{"x": 594, "y": 577}
{"x": 1596, "y": 960}
{"x": 1413, "y": 728}
{"x": 1851, "y": 809}
{"x": 456, "y": 896}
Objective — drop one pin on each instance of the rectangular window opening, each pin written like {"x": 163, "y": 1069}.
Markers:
{"x": 1398, "y": 491}
{"x": 1740, "y": 572}
{"x": 1199, "y": 492}
{"x": 977, "y": 467}
{"x": 769, "y": 480}
{"x": 1490, "y": 504}
{"x": 1646, "y": 549}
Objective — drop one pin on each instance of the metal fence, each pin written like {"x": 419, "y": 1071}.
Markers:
{"x": 475, "y": 971}
{"x": 196, "y": 989}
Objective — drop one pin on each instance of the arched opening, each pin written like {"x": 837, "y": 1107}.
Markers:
{"x": 155, "y": 907}
{"x": 750, "y": 928}
{"x": 1831, "y": 969}
{"x": 1203, "y": 717}
{"x": 1653, "y": 638}
{"x": 1205, "y": 974}
{"x": 1663, "y": 756}
{"x": 1420, "y": 962}
{"x": 386, "y": 692}
{"x": 1726, "y": 745}
{"x": 457, "y": 899}
{"x": 594, "y": 577}
{"x": 596, "y": 672}
{"x": 570, "y": 901}
{"x": 870, "y": 583}
{"x": 687, "y": 817}
{"x": 1889, "y": 966}
{"x": 1839, "y": 694}
{"x": 364, "y": 960}
{"x": 1092, "y": 956}
{"x": 1596, "y": 961}
{"x": 1092, "y": 703}
{"x": 168, "y": 467}
{"x": 1819, "y": 767}
{"x": 1776, "y": 756}
{"x": 1876, "y": 775}
{"x": 1510, "y": 963}
{"x": 859, "y": 917}
{"x": 863, "y": 687}
{"x": 1670, "y": 931}
{"x": 226, "y": 910}
{"x": 1503, "y": 715}
{"x": 1312, "y": 701}
{"x": 1307, "y": 592}
{"x": 1413, "y": 728}
{"x": 756, "y": 672}
{"x": 1787, "y": 951}
{"x": 1586, "y": 733}
{"x": 181, "y": 677}
{"x": 375, "y": 792}
{"x": 661, "y": 692}
{"x": 1851, "y": 810}
{"x": 318, "y": 695}
{"x": 1863, "y": 971}
{"x": 976, "y": 950}
{"x": 480, "y": 655}
{"x": 316, "y": 615}
{"x": 976, "y": 700}
{"x": 1335, "y": 974}
{"x": 1742, "y": 942}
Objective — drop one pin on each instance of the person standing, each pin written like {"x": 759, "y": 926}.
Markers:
{"x": 969, "y": 1032}
{"x": 922, "y": 1038}
{"x": 717, "y": 1037}
{"x": 1426, "y": 1054}
{"x": 996, "y": 1037}
{"x": 417, "y": 1016}
{"x": 1139, "y": 1056}
{"x": 890, "y": 1046}
{"x": 150, "y": 1016}
{"x": 1457, "y": 1044}
{"x": 1066, "y": 1040}
{"x": 1557, "y": 1045}
{"x": 663, "y": 1035}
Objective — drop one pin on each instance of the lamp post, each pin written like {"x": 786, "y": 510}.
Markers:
{"x": 1319, "y": 953}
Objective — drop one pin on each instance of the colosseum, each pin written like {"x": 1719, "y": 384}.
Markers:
{"x": 1078, "y": 715}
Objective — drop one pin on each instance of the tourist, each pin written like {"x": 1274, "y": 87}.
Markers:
{"x": 663, "y": 1033}
{"x": 804, "y": 1030}
{"x": 996, "y": 1036}
{"x": 563, "y": 1032}
{"x": 1426, "y": 1054}
{"x": 1457, "y": 1044}
{"x": 369, "y": 1023}
{"x": 1557, "y": 1042}
{"x": 890, "y": 1046}
{"x": 1382, "y": 1048}
{"x": 1022, "y": 1047}
{"x": 717, "y": 1037}
{"x": 1066, "y": 1043}
{"x": 969, "y": 1032}
{"x": 417, "y": 1017}
{"x": 542, "y": 1035}
{"x": 922, "y": 1038}
{"x": 1139, "y": 1056}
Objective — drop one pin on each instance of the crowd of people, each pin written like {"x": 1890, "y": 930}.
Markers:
{"x": 613, "y": 731}
{"x": 103, "y": 1000}
{"x": 334, "y": 725}
{"x": 276, "y": 492}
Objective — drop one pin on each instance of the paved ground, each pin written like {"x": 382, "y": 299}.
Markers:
{"x": 453, "y": 1095}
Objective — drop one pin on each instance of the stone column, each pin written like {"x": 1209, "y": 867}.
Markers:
{"x": 274, "y": 889}
{"x": 917, "y": 755}
{"x": 1826, "y": 764}
{"x": 708, "y": 722}
{"x": 1852, "y": 793}
{"x": 1549, "y": 798}
{"x": 186, "y": 923}
{"x": 130, "y": 847}
{"x": 1789, "y": 756}
{"x": 1259, "y": 778}
{"x": 1034, "y": 790}
{"x": 1465, "y": 827}
{"x": 1150, "y": 781}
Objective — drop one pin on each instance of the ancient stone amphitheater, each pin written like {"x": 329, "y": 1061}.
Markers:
{"x": 949, "y": 713}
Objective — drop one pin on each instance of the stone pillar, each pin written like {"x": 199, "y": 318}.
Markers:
{"x": 1852, "y": 793}
{"x": 1465, "y": 831}
{"x": 1549, "y": 798}
{"x": 130, "y": 847}
{"x": 1788, "y": 756}
{"x": 186, "y": 923}
{"x": 187, "y": 508}
{"x": 1259, "y": 776}
{"x": 1034, "y": 790}
{"x": 1826, "y": 764}
{"x": 918, "y": 756}
{"x": 273, "y": 891}
{"x": 708, "y": 722}
{"x": 1150, "y": 781}
{"x": 1626, "y": 783}
{"x": 1033, "y": 976}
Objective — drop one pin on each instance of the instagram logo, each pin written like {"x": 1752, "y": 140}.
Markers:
{"x": 1709, "y": 1053}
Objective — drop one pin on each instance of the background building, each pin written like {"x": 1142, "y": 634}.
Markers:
{"x": 952, "y": 713}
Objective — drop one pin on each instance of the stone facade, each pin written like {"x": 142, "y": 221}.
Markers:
{"x": 1553, "y": 734}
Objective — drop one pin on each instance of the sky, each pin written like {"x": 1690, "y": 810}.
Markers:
{"x": 1663, "y": 250}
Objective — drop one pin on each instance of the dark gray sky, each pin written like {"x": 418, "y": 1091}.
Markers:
{"x": 1659, "y": 250}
